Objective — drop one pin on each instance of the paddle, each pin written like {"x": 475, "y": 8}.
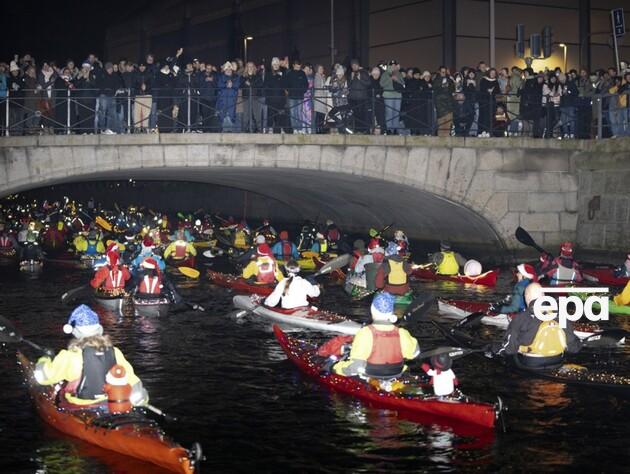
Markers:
{"x": 9, "y": 334}
{"x": 472, "y": 320}
{"x": 189, "y": 272}
{"x": 336, "y": 263}
{"x": 159, "y": 412}
{"x": 605, "y": 338}
{"x": 453, "y": 352}
{"x": 71, "y": 295}
{"x": 523, "y": 237}
{"x": 374, "y": 233}
{"x": 418, "y": 307}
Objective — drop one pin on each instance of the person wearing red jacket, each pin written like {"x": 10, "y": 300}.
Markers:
{"x": 151, "y": 282}
{"x": 111, "y": 277}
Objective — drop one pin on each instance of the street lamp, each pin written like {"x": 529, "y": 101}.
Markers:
{"x": 245, "y": 40}
{"x": 564, "y": 48}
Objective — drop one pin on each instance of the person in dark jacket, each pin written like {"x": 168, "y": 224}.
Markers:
{"x": 163, "y": 95}
{"x": 568, "y": 102}
{"x": 275, "y": 96}
{"x": 359, "y": 88}
{"x": 15, "y": 86}
{"x": 252, "y": 88}
{"x": 187, "y": 92}
{"x": 64, "y": 105}
{"x": 228, "y": 84}
{"x": 207, "y": 93}
{"x": 296, "y": 84}
{"x": 411, "y": 106}
{"x": 143, "y": 100}
{"x": 488, "y": 90}
{"x": 86, "y": 98}
{"x": 108, "y": 83}
{"x": 376, "y": 104}
{"x": 443, "y": 89}
{"x": 531, "y": 101}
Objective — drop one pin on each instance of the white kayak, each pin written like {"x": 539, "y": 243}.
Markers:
{"x": 459, "y": 310}
{"x": 309, "y": 318}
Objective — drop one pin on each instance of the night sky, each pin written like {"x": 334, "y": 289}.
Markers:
{"x": 59, "y": 30}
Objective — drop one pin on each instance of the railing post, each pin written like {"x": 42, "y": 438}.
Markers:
{"x": 599, "y": 117}
{"x": 68, "y": 112}
{"x": 188, "y": 109}
{"x": 128, "y": 110}
{"x": 251, "y": 108}
{"x": 374, "y": 121}
{"x": 7, "y": 113}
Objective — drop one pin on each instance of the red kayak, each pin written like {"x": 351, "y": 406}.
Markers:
{"x": 459, "y": 410}
{"x": 488, "y": 278}
{"x": 604, "y": 276}
{"x": 130, "y": 434}
{"x": 238, "y": 284}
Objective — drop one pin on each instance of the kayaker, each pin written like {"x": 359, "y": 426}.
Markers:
{"x": 564, "y": 269}
{"x": 89, "y": 245}
{"x": 180, "y": 249}
{"x": 268, "y": 231}
{"x": 333, "y": 234}
{"x": 263, "y": 267}
{"x": 31, "y": 249}
{"x": 284, "y": 249}
{"x": 8, "y": 244}
{"x": 147, "y": 251}
{"x": 446, "y": 261}
{"x": 380, "y": 349}
{"x": 393, "y": 275}
{"x": 150, "y": 283}
{"x": 85, "y": 364}
{"x": 543, "y": 265}
{"x": 241, "y": 237}
{"x": 525, "y": 274}
{"x": 358, "y": 250}
{"x": 401, "y": 240}
{"x": 182, "y": 233}
{"x": 320, "y": 246}
{"x": 307, "y": 236}
{"x": 111, "y": 277}
{"x": 442, "y": 376}
{"x": 293, "y": 291}
{"x": 623, "y": 298}
{"x": 534, "y": 342}
{"x": 375, "y": 254}
{"x": 623, "y": 270}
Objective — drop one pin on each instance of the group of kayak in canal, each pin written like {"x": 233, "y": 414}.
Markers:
{"x": 92, "y": 376}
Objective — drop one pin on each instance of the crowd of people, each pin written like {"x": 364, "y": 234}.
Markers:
{"x": 182, "y": 94}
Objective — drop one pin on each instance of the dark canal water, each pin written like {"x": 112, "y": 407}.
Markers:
{"x": 233, "y": 390}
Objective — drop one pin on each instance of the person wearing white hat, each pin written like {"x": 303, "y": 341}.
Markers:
{"x": 85, "y": 364}
{"x": 380, "y": 349}
{"x": 294, "y": 291}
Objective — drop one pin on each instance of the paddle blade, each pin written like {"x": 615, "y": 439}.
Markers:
{"x": 523, "y": 237}
{"x": 189, "y": 272}
{"x": 334, "y": 264}
{"x": 74, "y": 294}
{"x": 419, "y": 307}
{"x": 8, "y": 333}
{"x": 103, "y": 223}
{"x": 472, "y": 320}
{"x": 606, "y": 338}
{"x": 453, "y": 352}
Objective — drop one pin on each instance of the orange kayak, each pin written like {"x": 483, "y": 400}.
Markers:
{"x": 130, "y": 434}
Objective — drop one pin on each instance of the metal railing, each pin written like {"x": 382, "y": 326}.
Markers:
{"x": 330, "y": 110}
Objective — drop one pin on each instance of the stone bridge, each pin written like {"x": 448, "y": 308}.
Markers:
{"x": 471, "y": 191}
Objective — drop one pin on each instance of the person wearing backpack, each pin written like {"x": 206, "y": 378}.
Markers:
{"x": 535, "y": 343}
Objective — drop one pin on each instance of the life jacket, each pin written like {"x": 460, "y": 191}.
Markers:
{"x": 180, "y": 249}
{"x": 333, "y": 234}
{"x": 91, "y": 247}
{"x": 385, "y": 359}
{"x": 449, "y": 265}
{"x": 266, "y": 273}
{"x": 5, "y": 242}
{"x": 287, "y": 250}
{"x": 96, "y": 364}
{"x": 565, "y": 270}
{"x": 115, "y": 279}
{"x": 550, "y": 340}
{"x": 240, "y": 239}
{"x": 397, "y": 275}
{"x": 323, "y": 246}
{"x": 150, "y": 285}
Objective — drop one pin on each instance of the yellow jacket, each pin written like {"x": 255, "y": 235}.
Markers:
{"x": 251, "y": 270}
{"x": 190, "y": 249}
{"x": 362, "y": 345}
{"x": 623, "y": 298}
{"x": 81, "y": 244}
{"x": 68, "y": 366}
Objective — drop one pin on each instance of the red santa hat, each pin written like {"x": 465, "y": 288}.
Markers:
{"x": 264, "y": 250}
{"x": 527, "y": 271}
{"x": 147, "y": 242}
{"x": 150, "y": 263}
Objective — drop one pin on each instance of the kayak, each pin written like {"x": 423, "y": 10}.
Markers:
{"x": 417, "y": 397}
{"x": 131, "y": 434}
{"x": 238, "y": 284}
{"x": 306, "y": 264}
{"x": 309, "y": 318}
{"x": 155, "y": 306}
{"x": 111, "y": 301}
{"x": 613, "y": 308}
{"x": 205, "y": 244}
{"x": 488, "y": 278}
{"x": 459, "y": 309}
{"x": 604, "y": 276}
{"x": 567, "y": 373}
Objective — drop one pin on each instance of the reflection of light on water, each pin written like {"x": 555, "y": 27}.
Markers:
{"x": 443, "y": 442}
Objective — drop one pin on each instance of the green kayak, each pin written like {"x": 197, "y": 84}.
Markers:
{"x": 613, "y": 308}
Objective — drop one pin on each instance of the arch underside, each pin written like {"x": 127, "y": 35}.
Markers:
{"x": 355, "y": 202}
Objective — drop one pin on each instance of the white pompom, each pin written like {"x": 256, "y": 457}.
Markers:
{"x": 68, "y": 328}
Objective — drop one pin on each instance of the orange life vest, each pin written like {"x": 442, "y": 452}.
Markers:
{"x": 118, "y": 398}
{"x": 115, "y": 279}
{"x": 386, "y": 359}
{"x": 150, "y": 285}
